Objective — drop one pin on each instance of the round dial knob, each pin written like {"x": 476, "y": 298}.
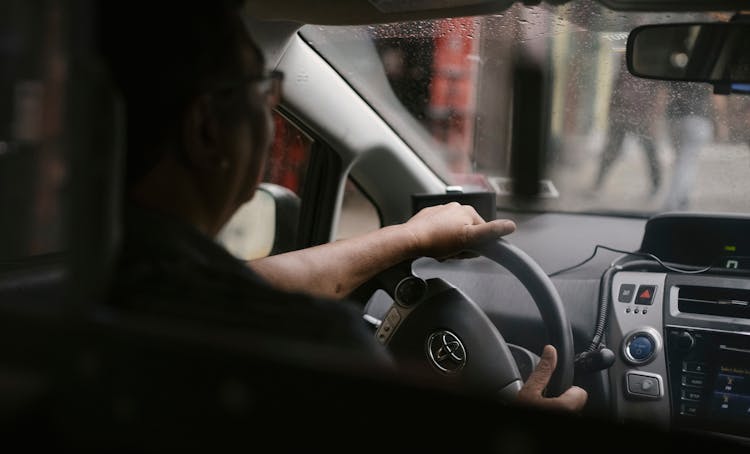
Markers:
{"x": 685, "y": 341}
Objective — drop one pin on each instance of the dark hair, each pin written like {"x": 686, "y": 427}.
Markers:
{"x": 161, "y": 55}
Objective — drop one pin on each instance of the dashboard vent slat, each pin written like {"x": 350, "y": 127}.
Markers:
{"x": 719, "y": 301}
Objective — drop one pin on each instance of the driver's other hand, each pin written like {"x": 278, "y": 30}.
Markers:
{"x": 571, "y": 400}
{"x": 444, "y": 231}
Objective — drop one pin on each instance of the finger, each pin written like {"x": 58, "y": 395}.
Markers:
{"x": 489, "y": 230}
{"x": 541, "y": 375}
{"x": 574, "y": 399}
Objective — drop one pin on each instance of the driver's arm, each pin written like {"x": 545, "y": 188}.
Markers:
{"x": 336, "y": 269}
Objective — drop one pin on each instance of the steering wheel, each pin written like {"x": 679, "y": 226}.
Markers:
{"x": 434, "y": 328}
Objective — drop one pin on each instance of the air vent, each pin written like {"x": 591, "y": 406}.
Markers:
{"x": 724, "y": 302}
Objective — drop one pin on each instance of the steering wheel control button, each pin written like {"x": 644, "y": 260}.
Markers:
{"x": 388, "y": 326}
{"x": 645, "y": 295}
{"x": 626, "y": 293}
{"x": 446, "y": 352}
{"x": 641, "y": 346}
{"x": 410, "y": 291}
{"x": 393, "y": 317}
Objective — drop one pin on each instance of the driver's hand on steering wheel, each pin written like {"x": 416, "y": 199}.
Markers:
{"x": 443, "y": 231}
{"x": 573, "y": 399}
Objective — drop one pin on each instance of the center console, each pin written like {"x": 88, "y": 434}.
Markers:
{"x": 679, "y": 363}
{"x": 683, "y": 340}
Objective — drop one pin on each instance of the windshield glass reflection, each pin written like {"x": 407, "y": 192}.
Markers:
{"x": 615, "y": 142}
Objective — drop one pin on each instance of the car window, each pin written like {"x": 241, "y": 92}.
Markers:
{"x": 251, "y": 232}
{"x": 614, "y": 142}
{"x": 290, "y": 154}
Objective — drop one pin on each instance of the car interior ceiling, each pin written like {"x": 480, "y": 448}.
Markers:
{"x": 129, "y": 382}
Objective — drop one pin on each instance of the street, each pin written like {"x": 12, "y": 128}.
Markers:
{"x": 722, "y": 181}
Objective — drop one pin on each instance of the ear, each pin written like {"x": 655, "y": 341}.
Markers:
{"x": 201, "y": 136}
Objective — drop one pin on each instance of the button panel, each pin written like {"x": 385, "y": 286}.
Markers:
{"x": 389, "y": 325}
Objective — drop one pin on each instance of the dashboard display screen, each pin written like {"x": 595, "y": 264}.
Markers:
{"x": 710, "y": 382}
{"x": 699, "y": 240}
{"x": 730, "y": 401}
{"x": 731, "y": 398}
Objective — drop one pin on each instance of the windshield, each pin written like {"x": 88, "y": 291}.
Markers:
{"x": 612, "y": 142}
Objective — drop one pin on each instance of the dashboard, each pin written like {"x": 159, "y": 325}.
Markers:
{"x": 680, "y": 329}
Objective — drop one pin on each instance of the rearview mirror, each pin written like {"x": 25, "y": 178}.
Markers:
{"x": 717, "y": 53}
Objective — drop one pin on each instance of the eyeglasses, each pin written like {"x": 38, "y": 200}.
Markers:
{"x": 269, "y": 85}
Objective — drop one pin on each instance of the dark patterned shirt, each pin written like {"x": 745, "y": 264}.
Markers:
{"x": 167, "y": 267}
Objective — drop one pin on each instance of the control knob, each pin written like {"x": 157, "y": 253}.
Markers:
{"x": 685, "y": 341}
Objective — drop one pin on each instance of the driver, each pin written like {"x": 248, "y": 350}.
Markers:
{"x": 199, "y": 128}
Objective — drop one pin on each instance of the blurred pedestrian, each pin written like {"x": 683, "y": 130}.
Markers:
{"x": 691, "y": 128}
{"x": 633, "y": 109}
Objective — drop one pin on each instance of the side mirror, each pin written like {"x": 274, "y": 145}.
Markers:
{"x": 716, "y": 53}
{"x": 266, "y": 225}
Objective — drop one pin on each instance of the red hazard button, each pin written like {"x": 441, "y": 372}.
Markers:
{"x": 645, "y": 295}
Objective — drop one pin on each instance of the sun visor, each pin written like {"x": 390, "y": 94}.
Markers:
{"x": 675, "y": 5}
{"x": 359, "y": 12}
{"x": 401, "y": 6}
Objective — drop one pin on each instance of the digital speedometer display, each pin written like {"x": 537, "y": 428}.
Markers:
{"x": 699, "y": 240}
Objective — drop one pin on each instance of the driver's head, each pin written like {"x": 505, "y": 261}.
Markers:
{"x": 196, "y": 112}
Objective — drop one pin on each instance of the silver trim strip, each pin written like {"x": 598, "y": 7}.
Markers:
{"x": 719, "y": 302}
{"x": 741, "y": 333}
{"x": 674, "y": 311}
{"x": 734, "y": 349}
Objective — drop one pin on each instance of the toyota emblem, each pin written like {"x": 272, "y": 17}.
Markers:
{"x": 446, "y": 352}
